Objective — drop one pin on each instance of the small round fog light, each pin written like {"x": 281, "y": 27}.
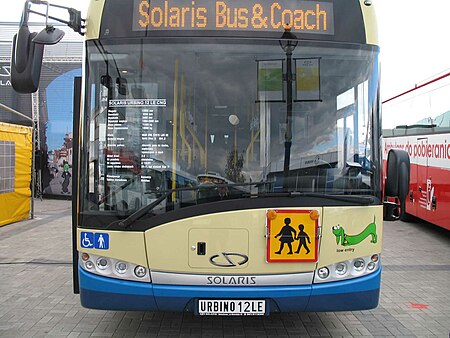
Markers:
{"x": 140, "y": 271}
{"x": 102, "y": 263}
{"x": 359, "y": 264}
{"x": 371, "y": 266}
{"x": 84, "y": 256}
{"x": 374, "y": 258}
{"x": 323, "y": 272}
{"x": 89, "y": 265}
{"x": 341, "y": 269}
{"x": 121, "y": 267}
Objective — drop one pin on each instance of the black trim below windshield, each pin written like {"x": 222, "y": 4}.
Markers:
{"x": 101, "y": 219}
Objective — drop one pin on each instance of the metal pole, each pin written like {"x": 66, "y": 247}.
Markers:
{"x": 288, "y": 135}
{"x": 288, "y": 46}
{"x": 33, "y": 173}
{"x": 33, "y": 178}
{"x": 37, "y": 142}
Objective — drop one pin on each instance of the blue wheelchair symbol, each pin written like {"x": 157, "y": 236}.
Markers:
{"x": 87, "y": 240}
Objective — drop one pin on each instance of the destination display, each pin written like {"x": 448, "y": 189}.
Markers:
{"x": 315, "y": 17}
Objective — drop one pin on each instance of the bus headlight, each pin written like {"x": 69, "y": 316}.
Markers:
{"x": 352, "y": 268}
{"x": 102, "y": 263}
{"x": 359, "y": 264}
{"x": 323, "y": 272}
{"x": 341, "y": 268}
{"x": 89, "y": 265}
{"x": 371, "y": 266}
{"x": 121, "y": 267}
{"x": 140, "y": 271}
{"x": 113, "y": 268}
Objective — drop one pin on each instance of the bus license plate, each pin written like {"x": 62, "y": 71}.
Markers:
{"x": 231, "y": 307}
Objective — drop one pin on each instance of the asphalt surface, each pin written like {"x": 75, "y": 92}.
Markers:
{"x": 36, "y": 298}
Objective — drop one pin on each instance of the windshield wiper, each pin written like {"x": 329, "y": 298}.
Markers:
{"x": 361, "y": 200}
{"x": 143, "y": 210}
{"x": 125, "y": 223}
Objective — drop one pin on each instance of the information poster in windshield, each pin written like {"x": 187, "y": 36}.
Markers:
{"x": 270, "y": 80}
{"x": 308, "y": 79}
{"x": 134, "y": 142}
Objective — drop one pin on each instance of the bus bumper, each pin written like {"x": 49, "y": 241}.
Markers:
{"x": 97, "y": 292}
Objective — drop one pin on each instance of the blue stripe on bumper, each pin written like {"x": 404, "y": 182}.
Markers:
{"x": 360, "y": 293}
{"x": 99, "y": 292}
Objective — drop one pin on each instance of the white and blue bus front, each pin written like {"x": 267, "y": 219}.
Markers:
{"x": 230, "y": 157}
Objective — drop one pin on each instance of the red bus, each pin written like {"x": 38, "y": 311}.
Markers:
{"x": 427, "y": 142}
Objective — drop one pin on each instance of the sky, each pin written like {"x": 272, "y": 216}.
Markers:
{"x": 413, "y": 37}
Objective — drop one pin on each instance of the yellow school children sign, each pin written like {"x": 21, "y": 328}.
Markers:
{"x": 292, "y": 235}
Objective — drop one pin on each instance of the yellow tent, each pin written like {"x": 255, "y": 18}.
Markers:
{"x": 15, "y": 172}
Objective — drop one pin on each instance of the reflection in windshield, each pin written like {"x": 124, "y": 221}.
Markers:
{"x": 170, "y": 116}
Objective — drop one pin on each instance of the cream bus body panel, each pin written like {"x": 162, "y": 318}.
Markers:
{"x": 172, "y": 247}
{"x": 370, "y": 20}
{"x": 123, "y": 245}
{"x": 169, "y": 246}
{"x": 94, "y": 19}
{"x": 354, "y": 221}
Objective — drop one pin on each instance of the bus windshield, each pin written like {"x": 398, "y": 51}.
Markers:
{"x": 198, "y": 120}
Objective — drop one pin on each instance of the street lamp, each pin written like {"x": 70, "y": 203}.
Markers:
{"x": 288, "y": 43}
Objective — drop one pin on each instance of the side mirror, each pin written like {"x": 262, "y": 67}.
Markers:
{"x": 26, "y": 61}
{"x": 28, "y": 50}
{"x": 396, "y": 184}
{"x": 49, "y": 36}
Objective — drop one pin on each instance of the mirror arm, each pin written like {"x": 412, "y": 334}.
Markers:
{"x": 41, "y": 2}
{"x": 50, "y": 17}
{"x": 75, "y": 22}
{"x": 25, "y": 15}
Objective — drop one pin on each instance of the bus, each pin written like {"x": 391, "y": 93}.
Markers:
{"x": 273, "y": 106}
{"x": 426, "y": 138}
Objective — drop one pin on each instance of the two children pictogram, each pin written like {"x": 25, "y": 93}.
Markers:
{"x": 288, "y": 235}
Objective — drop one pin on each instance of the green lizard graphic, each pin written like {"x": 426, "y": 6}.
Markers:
{"x": 346, "y": 240}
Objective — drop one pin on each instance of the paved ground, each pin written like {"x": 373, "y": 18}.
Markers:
{"x": 36, "y": 298}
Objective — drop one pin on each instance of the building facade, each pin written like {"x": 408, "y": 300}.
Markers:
{"x": 51, "y": 107}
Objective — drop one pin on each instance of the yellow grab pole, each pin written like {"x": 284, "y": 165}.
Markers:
{"x": 183, "y": 110}
{"x": 174, "y": 131}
